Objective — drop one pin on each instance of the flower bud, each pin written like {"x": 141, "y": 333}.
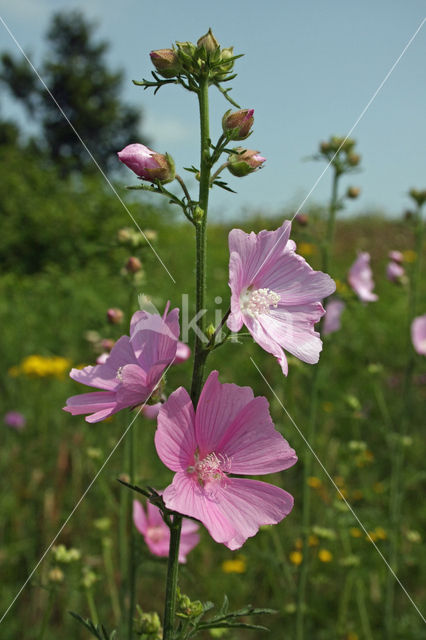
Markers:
{"x": 353, "y": 192}
{"x": 148, "y": 623}
{"x": 166, "y": 62}
{"x": 418, "y": 196}
{"x": 208, "y": 41}
{"x": 396, "y": 256}
{"x": 244, "y": 161}
{"x": 115, "y": 316}
{"x": 148, "y": 164}
{"x": 133, "y": 265}
{"x": 302, "y": 219}
{"x": 353, "y": 159}
{"x": 325, "y": 147}
{"x": 237, "y": 124}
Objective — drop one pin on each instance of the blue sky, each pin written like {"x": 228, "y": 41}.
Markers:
{"x": 309, "y": 70}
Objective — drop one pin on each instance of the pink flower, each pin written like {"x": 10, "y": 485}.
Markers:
{"x": 183, "y": 352}
{"x": 133, "y": 369}
{"x": 276, "y": 294}
{"x": 15, "y": 420}
{"x": 147, "y": 164}
{"x": 360, "y": 278}
{"x": 231, "y": 432}
{"x": 333, "y": 310}
{"x": 396, "y": 256}
{"x": 394, "y": 271}
{"x": 157, "y": 534}
{"x": 418, "y": 334}
{"x": 150, "y": 411}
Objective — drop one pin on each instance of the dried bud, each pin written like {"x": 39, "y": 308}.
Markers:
{"x": 208, "y": 41}
{"x": 147, "y": 164}
{"x": 353, "y": 192}
{"x": 353, "y": 159}
{"x": 166, "y": 62}
{"x": 244, "y": 161}
{"x": 325, "y": 147}
{"x": 133, "y": 265}
{"x": 237, "y": 124}
{"x": 115, "y": 316}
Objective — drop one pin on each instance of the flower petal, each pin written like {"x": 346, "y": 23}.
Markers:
{"x": 100, "y": 403}
{"x": 250, "y": 504}
{"x": 253, "y": 444}
{"x": 175, "y": 436}
{"x": 139, "y": 517}
{"x": 217, "y": 408}
{"x": 104, "y": 376}
{"x": 262, "y": 337}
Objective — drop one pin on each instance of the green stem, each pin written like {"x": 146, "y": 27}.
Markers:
{"x": 112, "y": 587}
{"x": 132, "y": 550}
{"x": 92, "y": 606}
{"x": 200, "y": 234}
{"x": 308, "y": 460}
{"x": 362, "y": 609}
{"x": 398, "y": 451}
{"x": 47, "y": 614}
{"x": 172, "y": 578}
{"x": 200, "y": 353}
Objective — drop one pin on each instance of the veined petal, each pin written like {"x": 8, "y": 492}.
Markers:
{"x": 100, "y": 404}
{"x": 186, "y": 497}
{"x": 293, "y": 329}
{"x": 253, "y": 444}
{"x": 250, "y": 504}
{"x": 217, "y": 408}
{"x": 175, "y": 436}
{"x": 131, "y": 390}
{"x": 155, "y": 339}
{"x": 262, "y": 337}
{"x": 104, "y": 376}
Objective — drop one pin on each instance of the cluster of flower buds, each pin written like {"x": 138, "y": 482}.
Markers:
{"x": 133, "y": 238}
{"x": 418, "y": 196}
{"x": 189, "y": 59}
{"x": 148, "y": 624}
{"x": 340, "y": 152}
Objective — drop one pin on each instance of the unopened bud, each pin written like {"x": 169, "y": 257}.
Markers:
{"x": 198, "y": 214}
{"x": 166, "y": 62}
{"x": 148, "y": 164}
{"x": 133, "y": 265}
{"x": 302, "y": 219}
{"x": 418, "y": 196}
{"x": 353, "y": 159}
{"x": 56, "y": 575}
{"x": 107, "y": 344}
{"x": 237, "y": 124}
{"x": 325, "y": 147}
{"x": 208, "y": 41}
{"x": 115, "y": 316}
{"x": 148, "y": 623}
{"x": 244, "y": 161}
{"x": 353, "y": 192}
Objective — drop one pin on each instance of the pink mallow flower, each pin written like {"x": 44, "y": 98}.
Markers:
{"x": 133, "y": 369}
{"x": 331, "y": 321}
{"x": 418, "y": 334}
{"x": 276, "y": 294}
{"x": 394, "y": 271}
{"x": 15, "y": 420}
{"x": 231, "y": 432}
{"x": 157, "y": 534}
{"x": 360, "y": 278}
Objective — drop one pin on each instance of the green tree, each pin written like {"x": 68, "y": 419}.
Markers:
{"x": 76, "y": 73}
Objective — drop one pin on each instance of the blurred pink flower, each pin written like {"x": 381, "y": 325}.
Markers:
{"x": 231, "y": 432}
{"x": 394, "y": 271}
{"x": 276, "y": 294}
{"x": 133, "y": 369}
{"x": 183, "y": 352}
{"x": 360, "y": 278}
{"x": 333, "y": 311}
{"x": 396, "y": 256}
{"x": 157, "y": 534}
{"x": 418, "y": 334}
{"x": 15, "y": 420}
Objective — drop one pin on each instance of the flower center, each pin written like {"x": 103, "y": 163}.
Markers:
{"x": 155, "y": 534}
{"x": 211, "y": 471}
{"x": 256, "y": 301}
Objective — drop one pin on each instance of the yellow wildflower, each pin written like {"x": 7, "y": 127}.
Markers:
{"x": 296, "y": 558}
{"x": 298, "y": 543}
{"x": 380, "y": 533}
{"x": 327, "y": 407}
{"x": 357, "y": 494}
{"x": 324, "y": 555}
{"x": 378, "y": 487}
{"x": 371, "y": 537}
{"x": 352, "y": 636}
{"x": 314, "y": 482}
{"x": 42, "y": 366}
{"x": 313, "y": 541}
{"x": 236, "y": 565}
{"x": 355, "y": 532}
{"x": 409, "y": 255}
{"x": 306, "y": 249}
